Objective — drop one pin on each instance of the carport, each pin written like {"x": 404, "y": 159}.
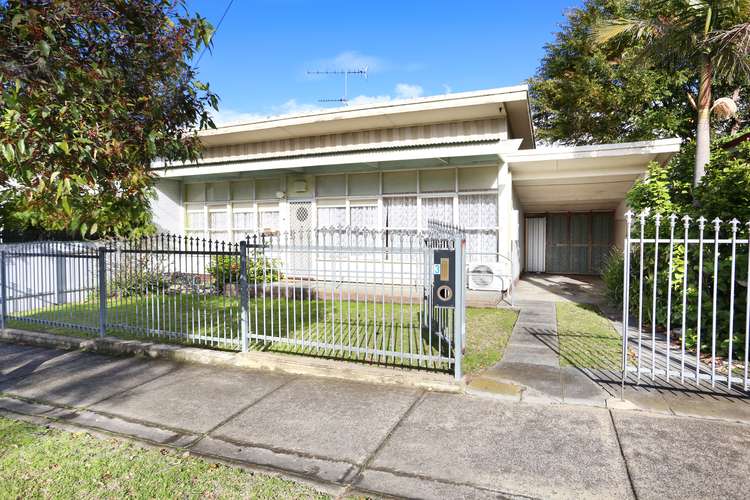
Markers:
{"x": 573, "y": 200}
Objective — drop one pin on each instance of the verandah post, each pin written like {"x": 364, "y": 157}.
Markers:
{"x": 102, "y": 291}
{"x": 244, "y": 306}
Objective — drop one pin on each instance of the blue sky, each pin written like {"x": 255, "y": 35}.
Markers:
{"x": 412, "y": 48}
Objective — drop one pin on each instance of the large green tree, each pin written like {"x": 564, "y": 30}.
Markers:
{"x": 91, "y": 92}
{"x": 586, "y": 92}
{"x": 708, "y": 39}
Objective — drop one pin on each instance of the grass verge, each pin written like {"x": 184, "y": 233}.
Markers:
{"x": 487, "y": 334}
{"x": 39, "y": 462}
{"x": 587, "y": 338}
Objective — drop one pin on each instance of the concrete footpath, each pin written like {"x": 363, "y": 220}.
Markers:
{"x": 353, "y": 438}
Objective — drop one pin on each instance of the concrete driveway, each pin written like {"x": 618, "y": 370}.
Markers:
{"x": 355, "y": 438}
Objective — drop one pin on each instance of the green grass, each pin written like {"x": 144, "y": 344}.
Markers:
{"x": 374, "y": 325}
{"x": 38, "y": 462}
{"x": 487, "y": 334}
{"x": 587, "y": 338}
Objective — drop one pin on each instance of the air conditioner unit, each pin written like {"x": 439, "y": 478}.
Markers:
{"x": 490, "y": 276}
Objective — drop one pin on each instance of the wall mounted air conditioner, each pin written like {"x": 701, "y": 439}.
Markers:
{"x": 489, "y": 276}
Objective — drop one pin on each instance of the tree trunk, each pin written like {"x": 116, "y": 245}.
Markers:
{"x": 703, "y": 130}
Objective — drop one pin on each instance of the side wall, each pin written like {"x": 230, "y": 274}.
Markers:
{"x": 167, "y": 207}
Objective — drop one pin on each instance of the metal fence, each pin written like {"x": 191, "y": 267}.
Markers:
{"x": 352, "y": 294}
{"x": 686, "y": 301}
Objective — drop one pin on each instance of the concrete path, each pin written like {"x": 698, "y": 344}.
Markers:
{"x": 353, "y": 438}
{"x": 530, "y": 368}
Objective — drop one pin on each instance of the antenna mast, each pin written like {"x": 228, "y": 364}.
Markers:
{"x": 346, "y": 73}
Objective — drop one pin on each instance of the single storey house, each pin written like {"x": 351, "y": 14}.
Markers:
{"x": 467, "y": 158}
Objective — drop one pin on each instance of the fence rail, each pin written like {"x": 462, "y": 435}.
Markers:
{"x": 687, "y": 289}
{"x": 342, "y": 293}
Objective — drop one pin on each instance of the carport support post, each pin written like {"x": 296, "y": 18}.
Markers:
{"x": 102, "y": 291}
{"x": 244, "y": 306}
{"x": 3, "y": 312}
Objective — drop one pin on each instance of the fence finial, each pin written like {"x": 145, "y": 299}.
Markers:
{"x": 717, "y": 222}
{"x": 686, "y": 220}
{"x": 657, "y": 218}
{"x": 672, "y": 219}
{"x": 734, "y": 222}
{"x": 701, "y": 222}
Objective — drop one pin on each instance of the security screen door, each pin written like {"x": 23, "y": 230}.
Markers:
{"x": 578, "y": 243}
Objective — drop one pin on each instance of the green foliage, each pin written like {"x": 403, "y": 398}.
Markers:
{"x": 586, "y": 93}
{"x": 724, "y": 192}
{"x": 91, "y": 92}
{"x": 612, "y": 273}
{"x": 226, "y": 269}
{"x": 136, "y": 274}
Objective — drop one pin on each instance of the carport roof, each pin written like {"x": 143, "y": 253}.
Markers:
{"x": 582, "y": 177}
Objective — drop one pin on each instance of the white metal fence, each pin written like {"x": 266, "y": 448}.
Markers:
{"x": 686, "y": 300}
{"x": 342, "y": 293}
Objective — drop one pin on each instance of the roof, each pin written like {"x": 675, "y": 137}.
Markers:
{"x": 512, "y": 101}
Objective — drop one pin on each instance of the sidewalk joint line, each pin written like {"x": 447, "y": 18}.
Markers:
{"x": 622, "y": 454}
{"x": 387, "y": 436}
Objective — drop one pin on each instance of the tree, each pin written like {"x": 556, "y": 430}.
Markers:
{"x": 709, "y": 38}
{"x": 584, "y": 94}
{"x": 91, "y": 92}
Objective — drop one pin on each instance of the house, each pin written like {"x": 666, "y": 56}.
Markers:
{"x": 467, "y": 158}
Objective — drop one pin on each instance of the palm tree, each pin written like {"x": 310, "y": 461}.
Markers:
{"x": 710, "y": 37}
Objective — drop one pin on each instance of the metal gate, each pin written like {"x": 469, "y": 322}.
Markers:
{"x": 686, "y": 302}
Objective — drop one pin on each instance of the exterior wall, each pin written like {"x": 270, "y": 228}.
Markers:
{"x": 441, "y": 133}
{"x": 167, "y": 207}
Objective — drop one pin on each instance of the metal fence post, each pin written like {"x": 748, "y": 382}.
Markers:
{"x": 3, "y": 311}
{"x": 625, "y": 301}
{"x": 102, "y": 291}
{"x": 458, "y": 310}
{"x": 244, "y": 306}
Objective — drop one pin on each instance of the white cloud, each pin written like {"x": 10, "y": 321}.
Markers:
{"x": 407, "y": 91}
{"x": 350, "y": 59}
{"x": 228, "y": 116}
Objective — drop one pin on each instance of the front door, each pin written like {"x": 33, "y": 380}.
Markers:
{"x": 578, "y": 243}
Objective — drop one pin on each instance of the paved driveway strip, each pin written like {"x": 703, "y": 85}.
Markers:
{"x": 380, "y": 440}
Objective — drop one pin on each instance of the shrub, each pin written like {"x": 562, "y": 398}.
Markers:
{"x": 136, "y": 274}
{"x": 226, "y": 269}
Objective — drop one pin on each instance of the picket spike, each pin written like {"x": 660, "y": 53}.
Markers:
{"x": 672, "y": 219}
{"x": 734, "y": 222}
{"x": 717, "y": 222}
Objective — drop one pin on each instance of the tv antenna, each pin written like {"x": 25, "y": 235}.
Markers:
{"x": 346, "y": 73}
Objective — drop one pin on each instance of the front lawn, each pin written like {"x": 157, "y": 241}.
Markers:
{"x": 39, "y": 462}
{"x": 587, "y": 338}
{"x": 311, "y": 327}
{"x": 487, "y": 334}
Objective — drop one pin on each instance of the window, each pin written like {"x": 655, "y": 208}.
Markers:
{"x": 330, "y": 185}
{"x": 399, "y": 182}
{"x": 438, "y": 209}
{"x": 218, "y": 224}
{"x": 242, "y": 190}
{"x": 331, "y": 216}
{"x": 477, "y": 211}
{"x": 477, "y": 179}
{"x": 365, "y": 216}
{"x": 217, "y": 191}
{"x": 269, "y": 220}
{"x": 243, "y": 223}
{"x": 195, "y": 192}
{"x": 400, "y": 212}
{"x": 440, "y": 180}
{"x": 266, "y": 189}
{"x": 364, "y": 184}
